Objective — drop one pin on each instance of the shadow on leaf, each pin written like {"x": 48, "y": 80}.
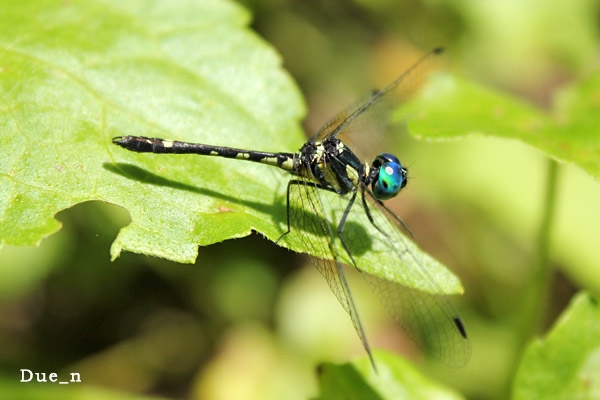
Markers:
{"x": 277, "y": 210}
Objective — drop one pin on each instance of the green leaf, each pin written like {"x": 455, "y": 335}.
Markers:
{"x": 76, "y": 74}
{"x": 73, "y": 75}
{"x": 453, "y": 107}
{"x": 566, "y": 364}
{"x": 395, "y": 378}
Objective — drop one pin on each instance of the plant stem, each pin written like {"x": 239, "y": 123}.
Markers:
{"x": 534, "y": 298}
{"x": 537, "y": 293}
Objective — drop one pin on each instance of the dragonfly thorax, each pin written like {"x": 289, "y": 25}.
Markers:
{"x": 330, "y": 164}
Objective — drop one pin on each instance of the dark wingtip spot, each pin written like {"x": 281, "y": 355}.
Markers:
{"x": 460, "y": 327}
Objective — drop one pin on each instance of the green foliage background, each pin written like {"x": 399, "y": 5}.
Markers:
{"x": 504, "y": 192}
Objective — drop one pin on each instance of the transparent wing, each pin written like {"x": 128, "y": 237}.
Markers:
{"x": 362, "y": 131}
{"x": 407, "y": 282}
{"x": 404, "y": 281}
{"x": 430, "y": 320}
{"x": 309, "y": 222}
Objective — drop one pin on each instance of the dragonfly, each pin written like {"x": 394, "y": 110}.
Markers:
{"x": 331, "y": 189}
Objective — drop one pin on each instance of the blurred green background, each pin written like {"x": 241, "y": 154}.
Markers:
{"x": 252, "y": 320}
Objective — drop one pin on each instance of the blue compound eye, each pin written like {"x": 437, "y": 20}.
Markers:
{"x": 391, "y": 178}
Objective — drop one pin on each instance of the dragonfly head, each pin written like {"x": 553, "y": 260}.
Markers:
{"x": 390, "y": 176}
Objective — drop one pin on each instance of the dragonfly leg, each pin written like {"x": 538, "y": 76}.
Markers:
{"x": 287, "y": 201}
{"x": 340, "y": 228}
